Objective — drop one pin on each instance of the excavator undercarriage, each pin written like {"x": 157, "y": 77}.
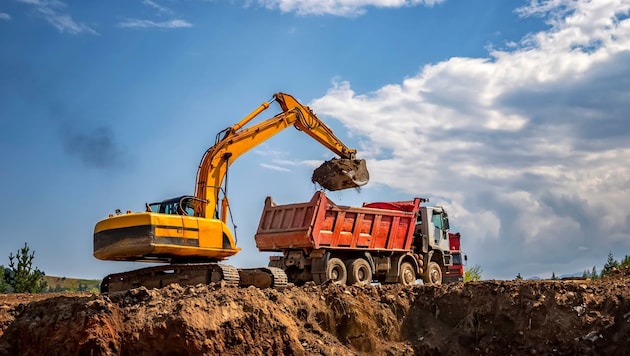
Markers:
{"x": 192, "y": 274}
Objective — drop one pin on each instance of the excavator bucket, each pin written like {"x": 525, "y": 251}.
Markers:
{"x": 341, "y": 173}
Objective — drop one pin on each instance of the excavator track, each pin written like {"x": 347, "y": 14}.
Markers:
{"x": 161, "y": 276}
{"x": 280, "y": 279}
{"x": 265, "y": 277}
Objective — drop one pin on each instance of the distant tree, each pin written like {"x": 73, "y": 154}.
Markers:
{"x": 22, "y": 277}
{"x": 625, "y": 262}
{"x": 594, "y": 274}
{"x": 610, "y": 264}
{"x": 519, "y": 277}
{"x": 586, "y": 274}
{"x": 553, "y": 276}
{"x": 4, "y": 287}
{"x": 473, "y": 274}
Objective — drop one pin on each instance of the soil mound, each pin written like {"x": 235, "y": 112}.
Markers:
{"x": 480, "y": 318}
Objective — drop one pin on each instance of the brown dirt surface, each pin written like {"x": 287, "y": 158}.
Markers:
{"x": 574, "y": 317}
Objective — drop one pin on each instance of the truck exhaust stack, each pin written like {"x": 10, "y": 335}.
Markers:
{"x": 341, "y": 173}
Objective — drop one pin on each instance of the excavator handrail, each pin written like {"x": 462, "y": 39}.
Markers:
{"x": 239, "y": 139}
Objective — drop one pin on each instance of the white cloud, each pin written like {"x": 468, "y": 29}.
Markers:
{"x": 54, "y": 12}
{"x": 274, "y": 167}
{"x": 530, "y": 147}
{"x": 337, "y": 7}
{"x": 5, "y": 16}
{"x": 156, "y": 6}
{"x": 135, "y": 23}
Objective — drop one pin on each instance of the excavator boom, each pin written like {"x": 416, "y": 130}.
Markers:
{"x": 191, "y": 232}
{"x": 342, "y": 173}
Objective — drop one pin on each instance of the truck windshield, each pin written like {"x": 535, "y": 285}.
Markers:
{"x": 457, "y": 258}
{"x": 437, "y": 220}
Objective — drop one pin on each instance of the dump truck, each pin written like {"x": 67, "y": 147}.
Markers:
{"x": 455, "y": 272}
{"x": 386, "y": 242}
{"x": 189, "y": 235}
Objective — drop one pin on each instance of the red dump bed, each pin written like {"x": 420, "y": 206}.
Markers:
{"x": 320, "y": 223}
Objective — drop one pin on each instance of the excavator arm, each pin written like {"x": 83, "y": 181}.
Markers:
{"x": 185, "y": 231}
{"x": 232, "y": 142}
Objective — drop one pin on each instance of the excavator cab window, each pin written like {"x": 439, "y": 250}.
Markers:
{"x": 154, "y": 207}
{"x": 186, "y": 206}
{"x": 176, "y": 206}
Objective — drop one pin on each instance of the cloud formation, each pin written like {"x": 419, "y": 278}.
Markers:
{"x": 5, "y": 16}
{"x": 161, "y": 11}
{"x": 337, "y": 7}
{"x": 530, "y": 147}
{"x": 54, "y": 12}
{"x": 136, "y": 23}
{"x": 156, "y": 6}
{"x": 274, "y": 167}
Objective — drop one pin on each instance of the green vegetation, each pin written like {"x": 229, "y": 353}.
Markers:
{"x": 4, "y": 286}
{"x": 473, "y": 274}
{"x": 63, "y": 284}
{"x": 21, "y": 276}
{"x": 611, "y": 264}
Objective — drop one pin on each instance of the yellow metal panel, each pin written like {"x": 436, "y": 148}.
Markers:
{"x": 211, "y": 233}
{"x": 124, "y": 220}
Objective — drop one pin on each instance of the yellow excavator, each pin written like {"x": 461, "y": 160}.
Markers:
{"x": 189, "y": 234}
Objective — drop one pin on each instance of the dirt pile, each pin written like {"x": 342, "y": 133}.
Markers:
{"x": 338, "y": 174}
{"x": 489, "y": 317}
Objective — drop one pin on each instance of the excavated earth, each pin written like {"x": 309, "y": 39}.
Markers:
{"x": 576, "y": 317}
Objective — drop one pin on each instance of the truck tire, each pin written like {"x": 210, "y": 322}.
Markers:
{"x": 336, "y": 271}
{"x": 359, "y": 272}
{"x": 433, "y": 275}
{"x": 407, "y": 276}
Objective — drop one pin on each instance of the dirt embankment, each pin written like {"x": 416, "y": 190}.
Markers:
{"x": 483, "y": 318}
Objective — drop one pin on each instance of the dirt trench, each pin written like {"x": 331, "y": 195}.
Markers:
{"x": 579, "y": 317}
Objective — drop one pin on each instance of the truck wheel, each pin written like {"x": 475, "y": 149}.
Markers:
{"x": 433, "y": 275}
{"x": 407, "y": 276}
{"x": 359, "y": 272}
{"x": 336, "y": 271}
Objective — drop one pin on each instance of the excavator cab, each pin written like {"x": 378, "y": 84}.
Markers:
{"x": 184, "y": 205}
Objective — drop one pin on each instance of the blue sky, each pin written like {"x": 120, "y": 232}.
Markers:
{"x": 512, "y": 114}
